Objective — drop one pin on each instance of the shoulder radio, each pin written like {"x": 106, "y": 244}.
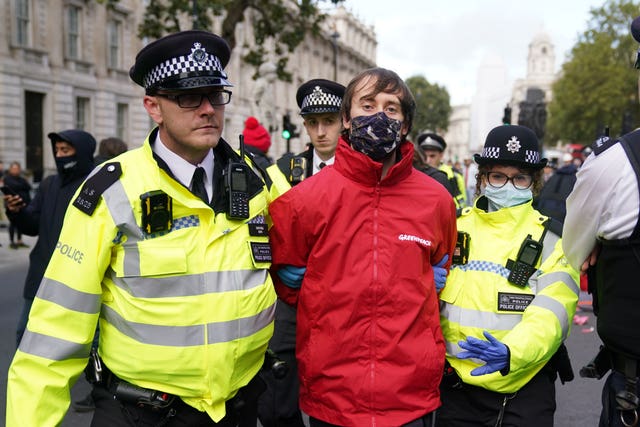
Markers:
{"x": 237, "y": 186}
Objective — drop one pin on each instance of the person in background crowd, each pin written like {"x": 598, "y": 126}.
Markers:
{"x": 170, "y": 261}
{"x": 602, "y": 239}
{"x": 110, "y": 148}
{"x": 433, "y": 147}
{"x": 257, "y": 142}
{"x": 420, "y": 163}
{"x": 319, "y": 101}
{"x": 552, "y": 198}
{"x": 43, "y": 216}
{"x": 510, "y": 297}
{"x": 469, "y": 173}
{"x": 355, "y": 246}
{"x": 17, "y": 183}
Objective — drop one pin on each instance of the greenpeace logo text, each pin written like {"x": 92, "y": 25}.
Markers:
{"x": 416, "y": 239}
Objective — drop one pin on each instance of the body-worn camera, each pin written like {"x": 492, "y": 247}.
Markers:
{"x": 157, "y": 211}
{"x": 298, "y": 167}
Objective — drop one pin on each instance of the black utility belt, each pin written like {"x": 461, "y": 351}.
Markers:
{"x": 127, "y": 392}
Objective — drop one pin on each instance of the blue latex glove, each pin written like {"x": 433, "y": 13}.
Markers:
{"x": 292, "y": 276}
{"x": 440, "y": 273}
{"x": 492, "y": 352}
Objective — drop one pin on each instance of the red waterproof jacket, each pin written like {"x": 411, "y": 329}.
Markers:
{"x": 369, "y": 345}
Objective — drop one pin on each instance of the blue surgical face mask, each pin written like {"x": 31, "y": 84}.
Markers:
{"x": 375, "y": 136}
{"x": 507, "y": 196}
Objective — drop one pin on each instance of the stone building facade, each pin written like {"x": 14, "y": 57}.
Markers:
{"x": 64, "y": 64}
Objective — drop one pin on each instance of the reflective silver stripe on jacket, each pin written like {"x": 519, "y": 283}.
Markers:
{"x": 120, "y": 209}
{"x": 556, "y": 308}
{"x": 470, "y": 318}
{"x": 184, "y": 336}
{"x": 61, "y": 294}
{"x": 558, "y": 276}
{"x": 52, "y": 348}
{"x": 189, "y": 285}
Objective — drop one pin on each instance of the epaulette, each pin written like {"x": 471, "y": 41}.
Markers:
{"x": 602, "y": 144}
{"x": 92, "y": 189}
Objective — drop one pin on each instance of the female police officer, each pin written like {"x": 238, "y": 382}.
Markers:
{"x": 509, "y": 298}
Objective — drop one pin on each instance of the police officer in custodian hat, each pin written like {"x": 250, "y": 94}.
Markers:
{"x": 169, "y": 257}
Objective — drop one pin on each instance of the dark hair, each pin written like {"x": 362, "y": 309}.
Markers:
{"x": 385, "y": 81}
{"x": 111, "y": 147}
{"x": 536, "y": 186}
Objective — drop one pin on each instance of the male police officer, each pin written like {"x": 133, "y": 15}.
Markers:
{"x": 433, "y": 146}
{"x": 319, "y": 101}
{"x": 173, "y": 267}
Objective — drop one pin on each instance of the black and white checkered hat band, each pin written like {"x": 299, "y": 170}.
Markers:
{"x": 491, "y": 152}
{"x": 530, "y": 156}
{"x": 183, "y": 65}
{"x": 321, "y": 99}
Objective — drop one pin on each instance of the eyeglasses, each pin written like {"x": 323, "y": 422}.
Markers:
{"x": 194, "y": 100}
{"x": 498, "y": 180}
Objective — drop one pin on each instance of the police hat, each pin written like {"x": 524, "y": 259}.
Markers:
{"x": 512, "y": 145}
{"x": 184, "y": 60}
{"x": 431, "y": 141}
{"x": 320, "y": 96}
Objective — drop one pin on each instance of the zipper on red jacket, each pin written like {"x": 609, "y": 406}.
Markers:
{"x": 372, "y": 338}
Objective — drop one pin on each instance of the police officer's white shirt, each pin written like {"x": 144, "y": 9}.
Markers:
{"x": 317, "y": 160}
{"x": 604, "y": 204}
{"x": 182, "y": 169}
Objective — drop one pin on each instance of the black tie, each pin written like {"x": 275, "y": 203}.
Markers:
{"x": 197, "y": 185}
{"x": 322, "y": 164}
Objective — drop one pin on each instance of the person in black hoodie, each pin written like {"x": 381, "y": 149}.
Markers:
{"x": 73, "y": 151}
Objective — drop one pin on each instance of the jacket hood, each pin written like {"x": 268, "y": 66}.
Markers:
{"x": 85, "y": 145}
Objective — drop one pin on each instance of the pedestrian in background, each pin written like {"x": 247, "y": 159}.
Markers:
{"x": 510, "y": 296}
{"x": 17, "y": 183}
{"x": 43, "y": 217}
{"x": 433, "y": 147}
{"x": 170, "y": 261}
{"x": 110, "y": 148}
{"x": 319, "y": 101}
{"x": 257, "y": 142}
{"x": 353, "y": 247}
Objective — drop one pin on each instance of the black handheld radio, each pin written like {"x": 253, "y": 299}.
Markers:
{"x": 237, "y": 186}
{"x": 525, "y": 264}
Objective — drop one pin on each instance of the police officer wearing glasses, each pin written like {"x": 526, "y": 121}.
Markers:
{"x": 510, "y": 296}
{"x": 158, "y": 250}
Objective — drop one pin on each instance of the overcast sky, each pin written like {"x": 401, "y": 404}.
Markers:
{"x": 446, "y": 40}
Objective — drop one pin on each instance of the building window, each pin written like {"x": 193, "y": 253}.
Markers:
{"x": 114, "y": 38}
{"x": 22, "y": 22}
{"x": 82, "y": 112}
{"x": 121, "y": 120}
{"x": 73, "y": 32}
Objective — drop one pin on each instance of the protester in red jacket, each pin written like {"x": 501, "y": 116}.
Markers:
{"x": 354, "y": 247}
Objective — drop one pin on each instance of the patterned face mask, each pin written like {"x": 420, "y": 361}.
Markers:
{"x": 375, "y": 136}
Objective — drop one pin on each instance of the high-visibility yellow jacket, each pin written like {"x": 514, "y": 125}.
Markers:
{"x": 188, "y": 312}
{"x": 456, "y": 180}
{"x": 532, "y": 321}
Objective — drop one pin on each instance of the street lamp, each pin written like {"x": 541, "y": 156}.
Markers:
{"x": 334, "y": 42}
{"x": 194, "y": 15}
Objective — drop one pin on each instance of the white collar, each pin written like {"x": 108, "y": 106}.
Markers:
{"x": 182, "y": 169}
{"x": 317, "y": 160}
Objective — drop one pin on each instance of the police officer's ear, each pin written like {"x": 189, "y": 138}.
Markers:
{"x": 152, "y": 105}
